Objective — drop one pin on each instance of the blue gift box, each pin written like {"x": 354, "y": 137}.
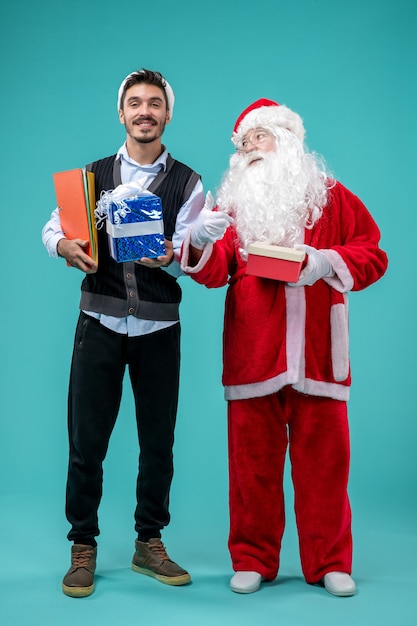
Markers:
{"x": 135, "y": 228}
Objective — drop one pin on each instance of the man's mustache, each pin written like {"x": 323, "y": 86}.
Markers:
{"x": 144, "y": 118}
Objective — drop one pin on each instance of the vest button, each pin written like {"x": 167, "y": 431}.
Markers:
{"x": 131, "y": 311}
{"x": 128, "y": 276}
{"x": 132, "y": 294}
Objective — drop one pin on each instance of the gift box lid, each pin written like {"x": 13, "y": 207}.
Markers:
{"x": 135, "y": 209}
{"x": 276, "y": 252}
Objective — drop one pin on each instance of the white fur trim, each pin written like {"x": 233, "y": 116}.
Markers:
{"x": 340, "y": 341}
{"x": 342, "y": 280}
{"x": 193, "y": 269}
{"x": 269, "y": 117}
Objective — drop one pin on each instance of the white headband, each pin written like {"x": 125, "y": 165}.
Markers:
{"x": 168, "y": 90}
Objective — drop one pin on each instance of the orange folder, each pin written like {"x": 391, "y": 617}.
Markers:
{"x": 74, "y": 190}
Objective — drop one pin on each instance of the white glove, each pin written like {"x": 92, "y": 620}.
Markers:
{"x": 318, "y": 266}
{"x": 210, "y": 225}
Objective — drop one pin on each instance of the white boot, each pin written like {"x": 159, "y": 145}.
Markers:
{"x": 339, "y": 584}
{"x": 245, "y": 582}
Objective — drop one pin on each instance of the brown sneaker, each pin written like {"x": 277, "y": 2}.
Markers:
{"x": 151, "y": 559}
{"x": 79, "y": 580}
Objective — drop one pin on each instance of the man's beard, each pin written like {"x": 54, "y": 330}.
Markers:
{"x": 148, "y": 136}
{"x": 275, "y": 198}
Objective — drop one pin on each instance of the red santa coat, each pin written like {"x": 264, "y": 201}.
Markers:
{"x": 277, "y": 335}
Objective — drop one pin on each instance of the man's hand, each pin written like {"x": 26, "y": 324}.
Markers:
{"x": 73, "y": 251}
{"x": 318, "y": 266}
{"x": 160, "y": 261}
{"x": 210, "y": 225}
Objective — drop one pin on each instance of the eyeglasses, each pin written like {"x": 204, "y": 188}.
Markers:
{"x": 255, "y": 138}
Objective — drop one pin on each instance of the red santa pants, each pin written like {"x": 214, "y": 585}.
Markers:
{"x": 316, "y": 431}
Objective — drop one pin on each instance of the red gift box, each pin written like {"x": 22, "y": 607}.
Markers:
{"x": 276, "y": 262}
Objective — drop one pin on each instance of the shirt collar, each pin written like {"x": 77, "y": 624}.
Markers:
{"x": 159, "y": 164}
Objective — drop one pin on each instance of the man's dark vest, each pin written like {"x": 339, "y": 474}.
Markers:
{"x": 121, "y": 289}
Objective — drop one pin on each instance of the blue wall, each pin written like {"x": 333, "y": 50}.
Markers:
{"x": 348, "y": 68}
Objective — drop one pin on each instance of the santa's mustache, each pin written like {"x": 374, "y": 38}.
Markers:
{"x": 241, "y": 161}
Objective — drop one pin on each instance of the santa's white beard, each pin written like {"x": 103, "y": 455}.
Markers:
{"x": 275, "y": 198}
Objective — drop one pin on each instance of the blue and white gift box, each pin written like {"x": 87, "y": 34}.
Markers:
{"x": 134, "y": 222}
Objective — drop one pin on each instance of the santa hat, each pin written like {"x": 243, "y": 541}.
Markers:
{"x": 168, "y": 90}
{"x": 267, "y": 114}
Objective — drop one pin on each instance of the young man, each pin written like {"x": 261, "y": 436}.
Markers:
{"x": 129, "y": 317}
{"x": 286, "y": 366}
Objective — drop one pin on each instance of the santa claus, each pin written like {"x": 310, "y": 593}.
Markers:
{"x": 286, "y": 363}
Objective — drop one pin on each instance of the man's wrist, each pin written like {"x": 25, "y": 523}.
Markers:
{"x": 57, "y": 246}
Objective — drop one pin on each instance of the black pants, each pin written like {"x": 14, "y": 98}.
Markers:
{"x": 98, "y": 365}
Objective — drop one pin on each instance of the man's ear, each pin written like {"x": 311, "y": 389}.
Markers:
{"x": 121, "y": 116}
{"x": 168, "y": 117}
